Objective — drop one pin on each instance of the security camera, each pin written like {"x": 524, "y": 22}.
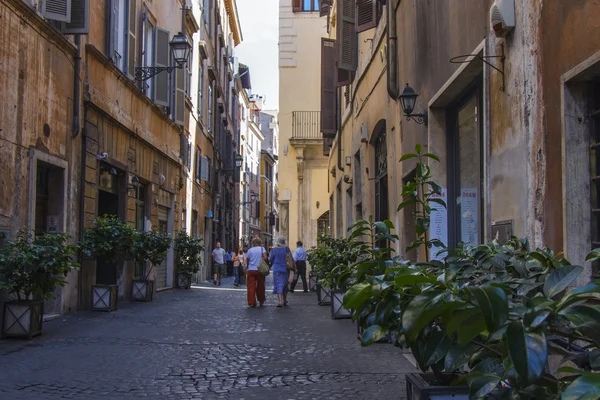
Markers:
{"x": 102, "y": 156}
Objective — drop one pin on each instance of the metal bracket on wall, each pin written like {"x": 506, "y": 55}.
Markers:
{"x": 466, "y": 58}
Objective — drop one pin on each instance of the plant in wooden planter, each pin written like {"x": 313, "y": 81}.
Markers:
{"x": 189, "y": 251}
{"x": 31, "y": 269}
{"x": 483, "y": 320}
{"x": 149, "y": 247}
{"x": 110, "y": 240}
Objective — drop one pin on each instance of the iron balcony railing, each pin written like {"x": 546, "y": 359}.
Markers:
{"x": 306, "y": 125}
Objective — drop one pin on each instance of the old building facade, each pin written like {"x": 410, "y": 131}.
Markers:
{"x": 511, "y": 116}
{"x": 302, "y": 166}
{"x": 100, "y": 118}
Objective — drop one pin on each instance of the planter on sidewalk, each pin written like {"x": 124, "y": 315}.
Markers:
{"x": 337, "y": 305}
{"x": 312, "y": 283}
{"x": 22, "y": 318}
{"x": 142, "y": 290}
{"x": 423, "y": 387}
{"x": 184, "y": 281}
{"x": 323, "y": 295}
{"x": 104, "y": 297}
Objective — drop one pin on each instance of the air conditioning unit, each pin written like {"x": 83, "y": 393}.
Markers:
{"x": 502, "y": 17}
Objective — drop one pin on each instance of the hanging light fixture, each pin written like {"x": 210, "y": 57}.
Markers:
{"x": 408, "y": 100}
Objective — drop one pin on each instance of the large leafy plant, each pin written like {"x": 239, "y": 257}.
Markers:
{"x": 488, "y": 315}
{"x": 189, "y": 251}
{"x": 331, "y": 260}
{"x": 151, "y": 246}
{"x": 36, "y": 266}
{"x": 109, "y": 237}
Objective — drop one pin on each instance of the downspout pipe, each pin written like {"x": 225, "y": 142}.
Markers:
{"x": 339, "y": 128}
{"x": 74, "y": 133}
{"x": 392, "y": 53}
{"x": 76, "y": 87}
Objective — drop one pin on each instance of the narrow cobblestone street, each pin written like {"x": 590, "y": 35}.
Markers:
{"x": 202, "y": 343}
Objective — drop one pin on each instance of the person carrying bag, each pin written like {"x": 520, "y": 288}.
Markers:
{"x": 255, "y": 279}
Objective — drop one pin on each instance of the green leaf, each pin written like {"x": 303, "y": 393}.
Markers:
{"x": 527, "y": 350}
{"x": 372, "y": 334}
{"x": 458, "y": 356}
{"x": 459, "y": 317}
{"x": 471, "y": 328}
{"x": 580, "y": 314}
{"x": 431, "y": 155}
{"x": 436, "y": 347}
{"x": 381, "y": 227}
{"x": 418, "y": 148}
{"x": 438, "y": 201}
{"x": 481, "y": 385}
{"x": 494, "y": 305}
{"x": 583, "y": 388}
{"x": 420, "y": 312}
{"x": 356, "y": 296}
{"x": 406, "y": 280}
{"x": 593, "y": 255}
{"x": 406, "y": 203}
{"x": 407, "y": 157}
{"x": 592, "y": 287}
{"x": 595, "y": 359}
{"x": 535, "y": 319}
{"x": 560, "y": 278}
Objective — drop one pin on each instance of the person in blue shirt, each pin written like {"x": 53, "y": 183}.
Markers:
{"x": 300, "y": 259}
{"x": 277, "y": 260}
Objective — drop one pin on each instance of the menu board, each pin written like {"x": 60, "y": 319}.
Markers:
{"x": 438, "y": 228}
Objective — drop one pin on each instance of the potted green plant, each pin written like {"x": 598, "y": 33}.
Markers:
{"x": 483, "y": 320}
{"x": 189, "y": 251}
{"x": 319, "y": 258}
{"x": 149, "y": 247}
{"x": 30, "y": 271}
{"x": 110, "y": 240}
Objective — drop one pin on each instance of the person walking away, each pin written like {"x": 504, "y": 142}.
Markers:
{"x": 277, "y": 260}
{"x": 218, "y": 256}
{"x": 244, "y": 266}
{"x": 236, "y": 258}
{"x": 300, "y": 259}
{"x": 229, "y": 262}
{"x": 255, "y": 282}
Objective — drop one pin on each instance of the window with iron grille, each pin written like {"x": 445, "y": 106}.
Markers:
{"x": 595, "y": 167}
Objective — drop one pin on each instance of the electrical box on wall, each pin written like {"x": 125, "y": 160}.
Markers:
{"x": 502, "y": 17}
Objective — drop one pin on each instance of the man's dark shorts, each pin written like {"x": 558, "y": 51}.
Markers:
{"x": 220, "y": 269}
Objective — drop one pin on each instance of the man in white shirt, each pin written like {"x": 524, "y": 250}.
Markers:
{"x": 218, "y": 256}
{"x": 300, "y": 259}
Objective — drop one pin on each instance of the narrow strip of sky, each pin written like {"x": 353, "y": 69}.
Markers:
{"x": 259, "y": 20}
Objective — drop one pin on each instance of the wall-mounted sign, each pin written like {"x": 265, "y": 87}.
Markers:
{"x": 52, "y": 224}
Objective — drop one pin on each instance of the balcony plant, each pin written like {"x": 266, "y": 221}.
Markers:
{"x": 30, "y": 271}
{"x": 189, "y": 252}
{"x": 110, "y": 240}
{"x": 484, "y": 320}
{"x": 149, "y": 247}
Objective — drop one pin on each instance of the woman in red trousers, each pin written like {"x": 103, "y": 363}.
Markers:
{"x": 255, "y": 281}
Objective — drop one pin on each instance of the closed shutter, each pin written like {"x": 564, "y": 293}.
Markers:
{"x": 142, "y": 55}
{"x": 204, "y": 169}
{"x": 113, "y": 30}
{"x": 57, "y": 10}
{"x": 346, "y": 35}
{"x": 80, "y": 18}
{"x": 200, "y": 89}
{"x": 297, "y": 5}
{"x": 179, "y": 106}
{"x": 131, "y": 49}
{"x": 183, "y": 151}
{"x": 324, "y": 7}
{"x": 198, "y": 162}
{"x": 161, "y": 56}
{"x": 366, "y": 14}
{"x": 328, "y": 111}
{"x": 344, "y": 77}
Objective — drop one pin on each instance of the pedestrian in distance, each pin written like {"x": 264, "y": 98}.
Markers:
{"x": 237, "y": 258}
{"x": 255, "y": 281}
{"x": 300, "y": 260}
{"x": 278, "y": 260}
{"x": 218, "y": 256}
{"x": 229, "y": 263}
{"x": 244, "y": 265}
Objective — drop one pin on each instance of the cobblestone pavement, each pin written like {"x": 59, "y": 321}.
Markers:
{"x": 201, "y": 344}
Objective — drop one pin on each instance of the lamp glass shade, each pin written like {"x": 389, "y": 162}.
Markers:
{"x": 408, "y": 98}
{"x": 180, "y": 47}
{"x": 238, "y": 160}
{"x": 253, "y": 197}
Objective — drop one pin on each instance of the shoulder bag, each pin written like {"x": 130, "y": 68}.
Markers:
{"x": 290, "y": 264}
{"x": 263, "y": 267}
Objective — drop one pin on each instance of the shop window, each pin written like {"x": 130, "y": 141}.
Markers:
{"x": 323, "y": 224}
{"x": 595, "y": 167}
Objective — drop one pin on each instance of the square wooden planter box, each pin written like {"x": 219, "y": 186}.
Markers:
{"x": 337, "y": 305}
{"x": 184, "y": 281}
{"x": 22, "y": 318}
{"x": 323, "y": 295}
{"x": 104, "y": 297}
{"x": 142, "y": 290}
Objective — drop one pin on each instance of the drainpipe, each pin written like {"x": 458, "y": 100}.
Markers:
{"x": 339, "y": 126}
{"x": 81, "y": 215}
{"x": 392, "y": 51}
{"x": 76, "y": 87}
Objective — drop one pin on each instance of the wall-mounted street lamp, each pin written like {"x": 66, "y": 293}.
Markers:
{"x": 408, "y": 99}
{"x": 180, "y": 49}
{"x": 253, "y": 197}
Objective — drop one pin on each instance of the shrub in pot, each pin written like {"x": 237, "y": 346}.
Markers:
{"x": 110, "y": 240}
{"x": 189, "y": 251}
{"x": 30, "y": 270}
{"x": 149, "y": 247}
{"x": 485, "y": 317}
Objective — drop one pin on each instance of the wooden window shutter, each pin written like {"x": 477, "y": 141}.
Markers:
{"x": 346, "y": 35}
{"x": 324, "y": 7}
{"x": 131, "y": 49}
{"x": 328, "y": 84}
{"x": 204, "y": 169}
{"x": 344, "y": 77}
{"x": 179, "y": 107}
{"x": 57, "y": 10}
{"x": 366, "y": 14}
{"x": 112, "y": 29}
{"x": 297, "y": 5}
{"x": 161, "y": 57}
{"x": 80, "y": 18}
{"x": 183, "y": 150}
